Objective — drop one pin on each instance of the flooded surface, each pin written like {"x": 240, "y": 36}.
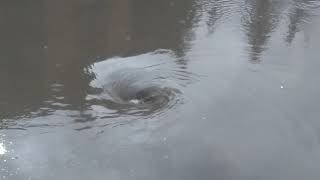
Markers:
{"x": 150, "y": 89}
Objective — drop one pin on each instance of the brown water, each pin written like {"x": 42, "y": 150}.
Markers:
{"x": 160, "y": 89}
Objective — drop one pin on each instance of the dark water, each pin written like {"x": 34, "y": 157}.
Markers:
{"x": 159, "y": 89}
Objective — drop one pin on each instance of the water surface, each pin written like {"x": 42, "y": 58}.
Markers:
{"x": 147, "y": 89}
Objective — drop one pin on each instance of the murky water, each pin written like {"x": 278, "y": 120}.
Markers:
{"x": 160, "y": 89}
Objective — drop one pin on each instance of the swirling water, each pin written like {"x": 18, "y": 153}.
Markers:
{"x": 192, "y": 89}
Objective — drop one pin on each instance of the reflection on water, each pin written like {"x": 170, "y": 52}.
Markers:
{"x": 48, "y": 63}
{"x": 47, "y": 66}
{"x": 216, "y": 11}
{"x": 159, "y": 89}
{"x": 260, "y": 19}
{"x": 300, "y": 13}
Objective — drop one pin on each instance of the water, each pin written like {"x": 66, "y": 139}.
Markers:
{"x": 192, "y": 89}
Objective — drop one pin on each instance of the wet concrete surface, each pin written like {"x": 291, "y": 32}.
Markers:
{"x": 147, "y": 89}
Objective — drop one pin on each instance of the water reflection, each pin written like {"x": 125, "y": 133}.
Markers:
{"x": 71, "y": 70}
{"x": 300, "y": 13}
{"x": 260, "y": 18}
{"x": 214, "y": 12}
{"x": 46, "y": 66}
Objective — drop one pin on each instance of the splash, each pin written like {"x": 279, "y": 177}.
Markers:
{"x": 2, "y": 149}
{"x": 139, "y": 85}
